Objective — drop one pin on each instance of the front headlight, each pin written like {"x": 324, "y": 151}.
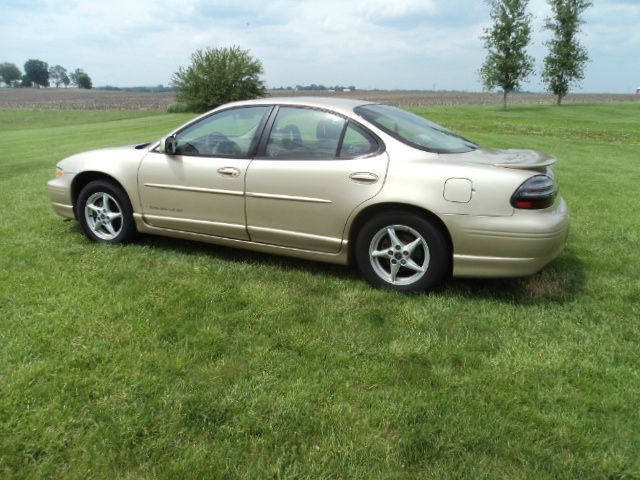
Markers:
{"x": 59, "y": 172}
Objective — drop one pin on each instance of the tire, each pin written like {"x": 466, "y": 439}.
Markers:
{"x": 110, "y": 222}
{"x": 402, "y": 251}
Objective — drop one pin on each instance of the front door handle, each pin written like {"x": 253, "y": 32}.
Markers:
{"x": 229, "y": 172}
{"x": 364, "y": 177}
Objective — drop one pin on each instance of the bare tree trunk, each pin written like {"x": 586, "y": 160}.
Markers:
{"x": 504, "y": 99}
{"x": 559, "y": 101}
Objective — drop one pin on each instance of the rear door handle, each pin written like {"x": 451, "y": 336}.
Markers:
{"x": 364, "y": 177}
{"x": 229, "y": 172}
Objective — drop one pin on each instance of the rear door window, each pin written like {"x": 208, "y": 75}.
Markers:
{"x": 303, "y": 133}
{"x": 357, "y": 142}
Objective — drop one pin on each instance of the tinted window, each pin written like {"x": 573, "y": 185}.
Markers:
{"x": 228, "y": 133}
{"x": 304, "y": 133}
{"x": 415, "y": 130}
{"x": 357, "y": 142}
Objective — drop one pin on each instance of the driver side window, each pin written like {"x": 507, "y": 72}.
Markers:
{"x": 230, "y": 133}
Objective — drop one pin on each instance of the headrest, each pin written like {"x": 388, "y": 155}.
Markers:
{"x": 328, "y": 129}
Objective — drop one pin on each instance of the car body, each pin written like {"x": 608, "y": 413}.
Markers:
{"x": 331, "y": 180}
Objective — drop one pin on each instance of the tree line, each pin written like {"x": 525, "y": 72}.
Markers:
{"x": 508, "y": 64}
{"x": 315, "y": 88}
{"x": 38, "y": 74}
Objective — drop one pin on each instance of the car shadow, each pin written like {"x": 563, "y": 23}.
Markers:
{"x": 239, "y": 255}
{"x": 559, "y": 282}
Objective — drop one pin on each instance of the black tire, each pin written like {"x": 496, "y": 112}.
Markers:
{"x": 94, "y": 215}
{"x": 375, "y": 251}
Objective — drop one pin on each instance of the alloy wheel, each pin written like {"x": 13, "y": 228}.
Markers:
{"x": 103, "y": 215}
{"x": 399, "y": 254}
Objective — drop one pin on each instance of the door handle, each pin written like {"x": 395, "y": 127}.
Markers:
{"x": 364, "y": 177}
{"x": 229, "y": 172}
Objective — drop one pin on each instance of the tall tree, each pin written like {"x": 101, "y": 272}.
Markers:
{"x": 80, "y": 78}
{"x": 9, "y": 73}
{"x": 57, "y": 74}
{"x": 507, "y": 64}
{"x": 564, "y": 65}
{"x": 37, "y": 71}
{"x": 217, "y": 76}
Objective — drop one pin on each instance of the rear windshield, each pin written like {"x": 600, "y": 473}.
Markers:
{"x": 415, "y": 130}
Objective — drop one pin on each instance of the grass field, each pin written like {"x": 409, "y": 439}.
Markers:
{"x": 173, "y": 359}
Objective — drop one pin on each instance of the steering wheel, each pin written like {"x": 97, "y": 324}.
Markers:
{"x": 213, "y": 139}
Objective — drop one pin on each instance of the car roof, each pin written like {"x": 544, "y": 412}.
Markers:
{"x": 345, "y": 105}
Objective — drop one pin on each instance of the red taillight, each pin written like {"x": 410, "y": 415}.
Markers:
{"x": 536, "y": 193}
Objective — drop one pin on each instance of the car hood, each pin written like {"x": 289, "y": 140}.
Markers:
{"x": 103, "y": 157}
{"x": 511, "y": 158}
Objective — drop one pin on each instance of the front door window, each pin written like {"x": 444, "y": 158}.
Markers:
{"x": 230, "y": 133}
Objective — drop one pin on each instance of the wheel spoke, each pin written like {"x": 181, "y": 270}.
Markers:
{"x": 93, "y": 207}
{"x": 414, "y": 266}
{"x": 410, "y": 247}
{"x": 97, "y": 225}
{"x": 394, "y": 237}
{"x": 105, "y": 202}
{"x": 110, "y": 228}
{"x": 395, "y": 267}
{"x": 114, "y": 215}
{"x": 380, "y": 253}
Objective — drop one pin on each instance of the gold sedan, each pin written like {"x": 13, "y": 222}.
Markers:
{"x": 332, "y": 180}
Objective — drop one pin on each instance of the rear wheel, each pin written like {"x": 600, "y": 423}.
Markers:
{"x": 105, "y": 213}
{"x": 402, "y": 251}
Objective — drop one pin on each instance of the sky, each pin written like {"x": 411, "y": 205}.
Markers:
{"x": 386, "y": 44}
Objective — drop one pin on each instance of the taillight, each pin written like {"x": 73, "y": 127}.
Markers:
{"x": 537, "y": 192}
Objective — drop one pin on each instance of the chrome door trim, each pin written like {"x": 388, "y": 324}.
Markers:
{"x": 273, "y": 196}
{"x": 194, "y": 189}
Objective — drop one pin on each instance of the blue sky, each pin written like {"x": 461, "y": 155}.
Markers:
{"x": 403, "y": 44}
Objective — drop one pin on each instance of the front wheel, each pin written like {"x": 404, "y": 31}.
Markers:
{"x": 402, "y": 251}
{"x": 105, "y": 213}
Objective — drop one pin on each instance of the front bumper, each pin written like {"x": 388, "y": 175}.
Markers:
{"x": 60, "y": 195}
{"x": 513, "y": 246}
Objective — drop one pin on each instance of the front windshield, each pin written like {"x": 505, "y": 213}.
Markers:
{"x": 415, "y": 130}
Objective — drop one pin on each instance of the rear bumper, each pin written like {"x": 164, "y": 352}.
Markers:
{"x": 514, "y": 246}
{"x": 60, "y": 195}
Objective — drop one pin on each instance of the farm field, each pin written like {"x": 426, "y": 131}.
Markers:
{"x": 74, "y": 99}
{"x": 173, "y": 359}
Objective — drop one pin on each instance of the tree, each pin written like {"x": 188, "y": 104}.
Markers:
{"x": 84, "y": 81}
{"x": 37, "y": 71}
{"x": 26, "y": 81}
{"x": 81, "y": 79}
{"x": 564, "y": 65}
{"x": 507, "y": 64}
{"x": 66, "y": 80}
{"x": 57, "y": 74}
{"x": 9, "y": 73}
{"x": 217, "y": 76}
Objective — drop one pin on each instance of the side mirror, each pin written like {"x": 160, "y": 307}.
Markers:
{"x": 168, "y": 145}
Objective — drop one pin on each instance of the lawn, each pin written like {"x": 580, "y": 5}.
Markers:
{"x": 173, "y": 359}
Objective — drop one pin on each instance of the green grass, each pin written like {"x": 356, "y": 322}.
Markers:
{"x": 174, "y": 359}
